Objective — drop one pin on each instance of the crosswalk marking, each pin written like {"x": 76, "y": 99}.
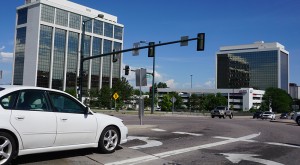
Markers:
{"x": 187, "y": 133}
{"x": 158, "y": 130}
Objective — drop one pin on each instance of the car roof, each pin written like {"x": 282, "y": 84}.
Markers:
{"x": 10, "y": 88}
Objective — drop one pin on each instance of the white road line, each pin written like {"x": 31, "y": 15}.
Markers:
{"x": 143, "y": 159}
{"x": 186, "y": 133}
{"x": 282, "y": 144}
{"x": 158, "y": 130}
{"x": 227, "y": 138}
{"x": 236, "y": 158}
{"x": 149, "y": 143}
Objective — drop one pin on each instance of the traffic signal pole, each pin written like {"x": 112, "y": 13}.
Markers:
{"x": 200, "y": 47}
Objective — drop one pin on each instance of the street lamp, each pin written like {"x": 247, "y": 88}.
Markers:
{"x": 82, "y": 51}
{"x": 153, "y": 80}
{"x": 191, "y": 81}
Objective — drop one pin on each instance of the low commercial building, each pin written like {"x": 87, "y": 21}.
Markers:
{"x": 242, "y": 99}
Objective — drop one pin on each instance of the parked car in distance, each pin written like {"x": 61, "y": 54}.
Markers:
{"x": 39, "y": 120}
{"x": 221, "y": 111}
{"x": 257, "y": 115}
{"x": 284, "y": 116}
{"x": 268, "y": 115}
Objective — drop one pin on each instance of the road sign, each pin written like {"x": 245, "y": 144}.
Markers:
{"x": 116, "y": 96}
{"x": 141, "y": 77}
{"x": 137, "y": 51}
{"x": 173, "y": 99}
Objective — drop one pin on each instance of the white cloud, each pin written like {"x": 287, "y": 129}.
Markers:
{"x": 2, "y": 48}
{"x": 6, "y": 56}
{"x": 171, "y": 83}
{"x": 209, "y": 84}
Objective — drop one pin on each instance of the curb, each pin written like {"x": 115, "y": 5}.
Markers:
{"x": 136, "y": 127}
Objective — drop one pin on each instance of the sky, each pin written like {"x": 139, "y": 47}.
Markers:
{"x": 225, "y": 23}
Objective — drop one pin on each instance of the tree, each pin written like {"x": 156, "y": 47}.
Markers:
{"x": 194, "y": 102}
{"x": 71, "y": 92}
{"x": 161, "y": 85}
{"x": 211, "y": 101}
{"x": 123, "y": 89}
{"x": 166, "y": 103}
{"x": 104, "y": 97}
{"x": 178, "y": 103}
{"x": 279, "y": 100}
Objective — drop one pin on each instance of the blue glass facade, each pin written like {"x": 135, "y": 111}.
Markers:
{"x": 59, "y": 59}
{"x": 259, "y": 70}
{"x": 58, "y": 48}
{"x": 19, "y": 56}
{"x": 44, "y": 56}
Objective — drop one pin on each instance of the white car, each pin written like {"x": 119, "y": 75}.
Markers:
{"x": 37, "y": 120}
{"x": 268, "y": 115}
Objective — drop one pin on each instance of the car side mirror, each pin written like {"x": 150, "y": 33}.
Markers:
{"x": 86, "y": 110}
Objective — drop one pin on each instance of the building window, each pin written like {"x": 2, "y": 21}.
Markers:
{"x": 96, "y": 67}
{"x": 88, "y": 24}
{"x": 47, "y": 14}
{"x": 107, "y": 47}
{"x": 19, "y": 56}
{"x": 284, "y": 71}
{"x": 22, "y": 16}
{"x": 86, "y": 64}
{"x": 59, "y": 59}
{"x": 257, "y": 70}
{"x": 72, "y": 61}
{"x": 118, "y": 33}
{"x": 74, "y": 21}
{"x": 61, "y": 17}
{"x": 44, "y": 56}
{"x": 108, "y": 30}
{"x": 98, "y": 27}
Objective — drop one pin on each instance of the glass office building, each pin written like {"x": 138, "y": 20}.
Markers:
{"x": 259, "y": 66}
{"x": 48, "y": 43}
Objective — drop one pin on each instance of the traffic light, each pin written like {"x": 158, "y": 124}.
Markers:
{"x": 127, "y": 70}
{"x": 200, "y": 41}
{"x": 151, "y": 49}
{"x": 115, "y": 58}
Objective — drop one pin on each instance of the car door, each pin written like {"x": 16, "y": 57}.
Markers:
{"x": 74, "y": 126}
{"x": 33, "y": 119}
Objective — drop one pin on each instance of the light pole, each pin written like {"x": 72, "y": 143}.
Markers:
{"x": 153, "y": 80}
{"x": 82, "y": 51}
{"x": 191, "y": 81}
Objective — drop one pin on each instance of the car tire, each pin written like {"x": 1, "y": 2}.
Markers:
{"x": 298, "y": 120}
{"x": 109, "y": 140}
{"x": 230, "y": 116}
{"x": 212, "y": 116}
{"x": 8, "y": 148}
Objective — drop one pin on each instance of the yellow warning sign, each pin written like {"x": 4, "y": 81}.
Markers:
{"x": 116, "y": 96}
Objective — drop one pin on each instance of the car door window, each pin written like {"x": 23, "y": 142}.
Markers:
{"x": 33, "y": 100}
{"x": 7, "y": 102}
{"x": 65, "y": 104}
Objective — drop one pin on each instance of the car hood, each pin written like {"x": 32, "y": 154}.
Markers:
{"x": 109, "y": 118}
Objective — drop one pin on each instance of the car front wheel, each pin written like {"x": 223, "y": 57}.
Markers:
{"x": 109, "y": 140}
{"x": 7, "y": 148}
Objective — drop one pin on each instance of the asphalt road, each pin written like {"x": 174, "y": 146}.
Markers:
{"x": 191, "y": 140}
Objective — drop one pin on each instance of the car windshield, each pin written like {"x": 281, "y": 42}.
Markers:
{"x": 2, "y": 89}
{"x": 268, "y": 113}
{"x": 220, "y": 108}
